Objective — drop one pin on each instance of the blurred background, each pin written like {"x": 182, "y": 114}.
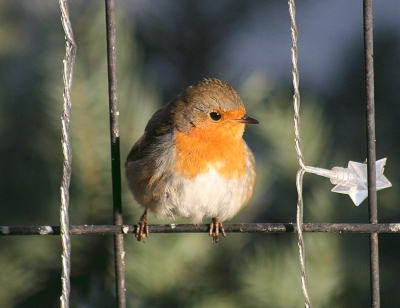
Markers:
{"x": 164, "y": 46}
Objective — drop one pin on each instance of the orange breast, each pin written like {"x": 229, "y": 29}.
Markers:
{"x": 212, "y": 145}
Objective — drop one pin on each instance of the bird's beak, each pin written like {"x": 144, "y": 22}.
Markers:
{"x": 247, "y": 120}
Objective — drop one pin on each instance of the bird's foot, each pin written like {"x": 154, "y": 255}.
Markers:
{"x": 215, "y": 228}
{"x": 142, "y": 229}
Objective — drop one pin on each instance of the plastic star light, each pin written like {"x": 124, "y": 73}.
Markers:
{"x": 353, "y": 179}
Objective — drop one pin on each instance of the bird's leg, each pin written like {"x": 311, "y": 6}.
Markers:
{"x": 142, "y": 229}
{"x": 215, "y": 227}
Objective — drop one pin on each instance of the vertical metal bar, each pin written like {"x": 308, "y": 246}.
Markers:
{"x": 372, "y": 197}
{"x": 68, "y": 65}
{"x": 115, "y": 153}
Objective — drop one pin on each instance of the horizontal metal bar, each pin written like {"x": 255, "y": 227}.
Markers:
{"x": 188, "y": 228}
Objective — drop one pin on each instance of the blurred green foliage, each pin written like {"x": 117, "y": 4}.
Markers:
{"x": 182, "y": 270}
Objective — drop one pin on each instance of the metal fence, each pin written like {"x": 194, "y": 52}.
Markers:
{"x": 119, "y": 229}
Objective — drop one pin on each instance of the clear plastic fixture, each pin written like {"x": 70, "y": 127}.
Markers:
{"x": 353, "y": 180}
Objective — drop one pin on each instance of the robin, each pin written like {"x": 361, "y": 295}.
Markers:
{"x": 191, "y": 161}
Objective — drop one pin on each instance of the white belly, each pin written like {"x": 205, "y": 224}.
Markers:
{"x": 207, "y": 195}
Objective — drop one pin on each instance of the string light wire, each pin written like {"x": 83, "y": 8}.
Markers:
{"x": 68, "y": 64}
{"x": 303, "y": 168}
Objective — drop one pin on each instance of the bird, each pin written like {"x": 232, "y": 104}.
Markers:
{"x": 192, "y": 162}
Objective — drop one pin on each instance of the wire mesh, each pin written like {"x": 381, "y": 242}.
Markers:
{"x": 115, "y": 152}
{"x": 188, "y": 228}
{"x": 371, "y": 152}
{"x": 119, "y": 229}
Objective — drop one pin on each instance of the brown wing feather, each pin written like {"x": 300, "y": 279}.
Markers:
{"x": 158, "y": 125}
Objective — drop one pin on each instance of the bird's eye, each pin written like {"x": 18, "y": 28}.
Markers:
{"x": 216, "y": 116}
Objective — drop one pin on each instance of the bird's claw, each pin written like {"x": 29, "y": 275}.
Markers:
{"x": 142, "y": 229}
{"x": 215, "y": 228}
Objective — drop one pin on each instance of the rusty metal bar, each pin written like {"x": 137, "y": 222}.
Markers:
{"x": 188, "y": 228}
{"x": 372, "y": 197}
{"x": 115, "y": 153}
